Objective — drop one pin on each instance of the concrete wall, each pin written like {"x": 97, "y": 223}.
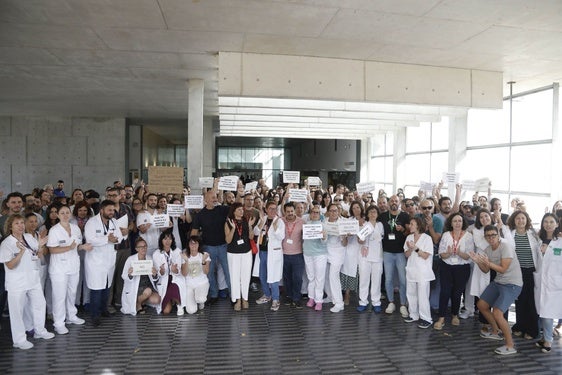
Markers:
{"x": 84, "y": 152}
{"x": 324, "y": 155}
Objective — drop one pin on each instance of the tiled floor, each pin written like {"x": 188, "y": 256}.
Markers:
{"x": 259, "y": 341}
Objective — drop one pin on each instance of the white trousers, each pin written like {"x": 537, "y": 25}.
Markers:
{"x": 82, "y": 291}
{"x": 195, "y": 294}
{"x": 333, "y": 283}
{"x": 64, "y": 295}
{"x": 370, "y": 273}
{"x": 316, "y": 275}
{"x": 418, "y": 300}
{"x": 17, "y": 301}
{"x": 240, "y": 267}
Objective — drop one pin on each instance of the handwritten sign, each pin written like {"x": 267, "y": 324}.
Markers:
{"x": 427, "y": 187}
{"x": 312, "y": 231}
{"x": 348, "y": 226}
{"x": 161, "y": 220}
{"x": 291, "y": 177}
{"x": 298, "y": 195}
{"x": 482, "y": 184}
{"x": 250, "y": 186}
{"x": 206, "y": 182}
{"x": 365, "y": 187}
{"x": 175, "y": 210}
{"x": 314, "y": 181}
{"x": 123, "y": 221}
{"x": 365, "y": 231}
{"x": 331, "y": 228}
{"x": 229, "y": 183}
{"x": 469, "y": 185}
{"x": 141, "y": 267}
{"x": 165, "y": 179}
{"x": 451, "y": 178}
{"x": 194, "y": 201}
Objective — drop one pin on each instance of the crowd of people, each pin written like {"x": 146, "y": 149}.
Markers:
{"x": 447, "y": 259}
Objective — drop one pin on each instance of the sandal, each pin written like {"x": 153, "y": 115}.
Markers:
{"x": 141, "y": 311}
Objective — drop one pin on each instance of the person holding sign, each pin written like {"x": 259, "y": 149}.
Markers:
{"x": 370, "y": 261}
{"x": 336, "y": 253}
{"x": 171, "y": 284}
{"x": 293, "y": 260}
{"x": 315, "y": 254}
{"x": 271, "y": 232}
{"x": 138, "y": 288}
{"x": 238, "y": 232}
{"x": 349, "y": 269}
{"x": 195, "y": 267}
{"x": 145, "y": 223}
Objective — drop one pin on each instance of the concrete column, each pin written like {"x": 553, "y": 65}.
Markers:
{"x": 457, "y": 145}
{"x": 365, "y": 160}
{"x": 556, "y": 177}
{"x": 195, "y": 131}
{"x": 398, "y": 179}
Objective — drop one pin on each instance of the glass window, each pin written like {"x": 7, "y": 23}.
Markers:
{"x": 492, "y": 163}
{"x": 530, "y": 168}
{"x": 418, "y": 138}
{"x": 378, "y": 145}
{"x": 416, "y": 168}
{"x": 488, "y": 127}
{"x": 439, "y": 164}
{"x": 532, "y": 117}
{"x": 440, "y": 134}
{"x": 535, "y": 207}
{"x": 389, "y": 139}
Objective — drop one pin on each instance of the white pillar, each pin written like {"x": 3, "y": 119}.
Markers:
{"x": 195, "y": 131}
{"x": 556, "y": 177}
{"x": 365, "y": 160}
{"x": 398, "y": 179}
{"x": 457, "y": 145}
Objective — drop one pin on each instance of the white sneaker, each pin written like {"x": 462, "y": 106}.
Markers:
{"x": 390, "y": 308}
{"x": 62, "y": 330}
{"x": 404, "y": 311}
{"x": 201, "y": 305}
{"x": 24, "y": 345}
{"x": 263, "y": 299}
{"x": 76, "y": 320}
{"x": 44, "y": 335}
{"x": 180, "y": 311}
{"x": 465, "y": 314}
{"x": 337, "y": 308}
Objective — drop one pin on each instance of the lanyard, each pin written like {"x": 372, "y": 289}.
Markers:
{"x": 33, "y": 251}
{"x": 290, "y": 229}
{"x": 239, "y": 228}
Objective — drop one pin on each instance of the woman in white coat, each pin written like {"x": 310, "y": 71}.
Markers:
{"x": 336, "y": 253}
{"x": 18, "y": 252}
{"x": 65, "y": 239}
{"x": 195, "y": 267}
{"x": 548, "y": 284}
{"x": 171, "y": 283}
{"x": 271, "y": 232}
{"x": 349, "y": 270}
{"x": 138, "y": 289}
{"x": 418, "y": 248}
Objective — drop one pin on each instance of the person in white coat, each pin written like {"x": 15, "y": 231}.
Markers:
{"x": 548, "y": 279}
{"x": 418, "y": 248}
{"x": 171, "y": 284}
{"x": 103, "y": 233}
{"x": 138, "y": 289}
{"x": 19, "y": 253}
{"x": 195, "y": 267}
{"x": 65, "y": 239}
{"x": 270, "y": 231}
{"x": 336, "y": 252}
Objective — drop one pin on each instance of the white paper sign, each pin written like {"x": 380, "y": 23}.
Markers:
{"x": 206, "y": 182}
{"x": 291, "y": 177}
{"x": 451, "y": 178}
{"x": 141, "y": 267}
{"x": 427, "y": 187}
{"x": 161, "y": 220}
{"x": 194, "y": 201}
{"x": 175, "y": 210}
{"x": 312, "y": 231}
{"x": 348, "y": 227}
{"x": 250, "y": 186}
{"x": 229, "y": 183}
{"x": 482, "y": 184}
{"x": 313, "y": 181}
{"x": 365, "y": 231}
{"x": 365, "y": 187}
{"x": 123, "y": 221}
{"x": 331, "y": 228}
{"x": 469, "y": 185}
{"x": 298, "y": 195}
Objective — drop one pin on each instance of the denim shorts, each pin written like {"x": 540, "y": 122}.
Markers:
{"x": 500, "y": 296}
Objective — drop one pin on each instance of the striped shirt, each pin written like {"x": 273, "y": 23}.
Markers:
{"x": 523, "y": 250}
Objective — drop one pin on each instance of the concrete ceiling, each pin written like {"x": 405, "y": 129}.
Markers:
{"x": 131, "y": 58}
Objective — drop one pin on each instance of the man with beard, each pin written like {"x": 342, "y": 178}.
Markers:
{"x": 103, "y": 233}
{"x": 145, "y": 224}
{"x": 128, "y": 198}
{"x": 395, "y": 231}
{"x": 293, "y": 259}
{"x": 382, "y": 203}
{"x": 30, "y": 207}
{"x": 445, "y": 208}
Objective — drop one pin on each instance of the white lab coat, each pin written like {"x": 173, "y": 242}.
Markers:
{"x": 548, "y": 282}
{"x": 131, "y": 287}
{"x": 100, "y": 261}
{"x": 351, "y": 260}
{"x": 67, "y": 263}
{"x": 158, "y": 258}
{"x": 274, "y": 251}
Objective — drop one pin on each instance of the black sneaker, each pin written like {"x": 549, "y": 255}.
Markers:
{"x": 297, "y": 305}
{"x": 288, "y": 302}
{"x": 409, "y": 319}
{"x": 424, "y": 324}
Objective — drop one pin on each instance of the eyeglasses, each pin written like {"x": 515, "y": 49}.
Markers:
{"x": 314, "y": 212}
{"x": 490, "y": 235}
{"x": 427, "y": 208}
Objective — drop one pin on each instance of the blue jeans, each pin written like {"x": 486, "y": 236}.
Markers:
{"x": 269, "y": 289}
{"x": 98, "y": 301}
{"x": 395, "y": 262}
{"x": 547, "y": 329}
{"x": 293, "y": 268}
{"x": 218, "y": 255}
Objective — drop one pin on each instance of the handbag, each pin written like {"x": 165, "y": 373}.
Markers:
{"x": 254, "y": 246}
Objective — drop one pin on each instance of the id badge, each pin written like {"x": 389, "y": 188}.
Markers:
{"x": 34, "y": 258}
{"x": 557, "y": 251}
{"x": 391, "y": 236}
{"x": 454, "y": 259}
{"x": 240, "y": 242}
{"x": 289, "y": 241}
